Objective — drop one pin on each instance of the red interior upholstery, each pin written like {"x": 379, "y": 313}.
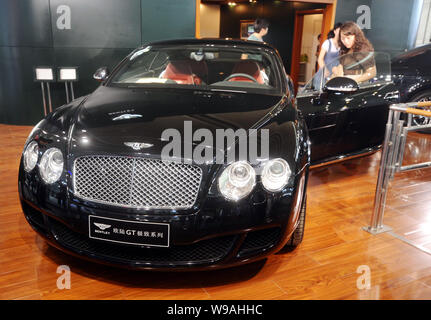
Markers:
{"x": 248, "y": 67}
{"x": 186, "y": 71}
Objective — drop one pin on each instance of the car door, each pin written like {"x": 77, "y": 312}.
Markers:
{"x": 321, "y": 115}
{"x": 343, "y": 123}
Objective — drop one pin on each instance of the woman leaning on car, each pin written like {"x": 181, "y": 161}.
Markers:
{"x": 356, "y": 54}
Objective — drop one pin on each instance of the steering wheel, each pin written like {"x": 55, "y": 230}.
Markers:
{"x": 243, "y": 75}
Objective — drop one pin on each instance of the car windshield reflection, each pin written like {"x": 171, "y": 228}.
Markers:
{"x": 366, "y": 68}
{"x": 194, "y": 66}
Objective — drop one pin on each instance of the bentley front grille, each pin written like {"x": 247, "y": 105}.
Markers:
{"x": 136, "y": 182}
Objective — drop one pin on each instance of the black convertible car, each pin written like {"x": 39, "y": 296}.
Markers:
{"x": 412, "y": 75}
{"x": 119, "y": 176}
{"x": 346, "y": 115}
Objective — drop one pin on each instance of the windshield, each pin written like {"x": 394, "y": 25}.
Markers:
{"x": 368, "y": 69}
{"x": 209, "y": 66}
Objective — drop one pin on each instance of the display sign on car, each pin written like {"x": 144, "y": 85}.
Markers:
{"x": 129, "y": 232}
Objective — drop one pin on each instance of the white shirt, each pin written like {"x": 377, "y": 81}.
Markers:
{"x": 325, "y": 46}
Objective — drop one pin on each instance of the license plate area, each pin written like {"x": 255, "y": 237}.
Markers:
{"x": 129, "y": 232}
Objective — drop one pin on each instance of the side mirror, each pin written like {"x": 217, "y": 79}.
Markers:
{"x": 101, "y": 74}
{"x": 341, "y": 85}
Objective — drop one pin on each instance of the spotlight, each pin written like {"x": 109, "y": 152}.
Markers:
{"x": 44, "y": 74}
{"x": 67, "y": 74}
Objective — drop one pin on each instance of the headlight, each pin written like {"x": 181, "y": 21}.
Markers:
{"x": 51, "y": 165}
{"x": 275, "y": 175}
{"x": 237, "y": 180}
{"x": 31, "y": 154}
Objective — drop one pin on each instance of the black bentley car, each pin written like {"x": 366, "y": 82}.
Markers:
{"x": 412, "y": 75}
{"x": 95, "y": 179}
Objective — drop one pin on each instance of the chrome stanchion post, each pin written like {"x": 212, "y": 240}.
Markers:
{"x": 391, "y": 166}
{"x": 409, "y": 120}
{"x": 397, "y": 129}
{"x": 392, "y": 159}
{"x": 403, "y": 138}
{"x": 382, "y": 181}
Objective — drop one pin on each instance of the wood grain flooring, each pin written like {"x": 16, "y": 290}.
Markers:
{"x": 324, "y": 266}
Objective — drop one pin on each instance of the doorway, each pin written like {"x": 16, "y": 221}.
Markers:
{"x": 308, "y": 25}
{"x": 310, "y": 45}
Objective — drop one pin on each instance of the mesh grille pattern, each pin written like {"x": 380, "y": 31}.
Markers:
{"x": 136, "y": 182}
{"x": 206, "y": 251}
{"x": 35, "y": 218}
{"x": 259, "y": 240}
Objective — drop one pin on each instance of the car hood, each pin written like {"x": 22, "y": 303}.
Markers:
{"x": 112, "y": 119}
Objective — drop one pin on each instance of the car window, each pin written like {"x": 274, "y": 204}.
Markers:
{"x": 366, "y": 68}
{"x": 209, "y": 66}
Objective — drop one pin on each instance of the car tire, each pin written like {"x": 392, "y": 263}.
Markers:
{"x": 417, "y": 120}
{"x": 298, "y": 234}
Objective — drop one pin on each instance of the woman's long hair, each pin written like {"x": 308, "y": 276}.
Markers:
{"x": 362, "y": 44}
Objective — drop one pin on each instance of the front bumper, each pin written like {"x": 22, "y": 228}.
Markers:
{"x": 216, "y": 236}
{"x": 217, "y": 252}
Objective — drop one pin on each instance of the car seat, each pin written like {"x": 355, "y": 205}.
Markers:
{"x": 248, "y": 67}
{"x": 185, "y": 71}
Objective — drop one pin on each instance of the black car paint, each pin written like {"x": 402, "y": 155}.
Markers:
{"x": 212, "y": 215}
{"x": 341, "y": 124}
{"x": 411, "y": 72}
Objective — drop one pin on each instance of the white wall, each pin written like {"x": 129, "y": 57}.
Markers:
{"x": 209, "y": 21}
{"x": 424, "y": 31}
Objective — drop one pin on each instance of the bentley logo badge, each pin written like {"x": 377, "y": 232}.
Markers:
{"x": 102, "y": 226}
{"x": 138, "y": 145}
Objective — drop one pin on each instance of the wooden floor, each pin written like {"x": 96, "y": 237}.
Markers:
{"x": 324, "y": 266}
